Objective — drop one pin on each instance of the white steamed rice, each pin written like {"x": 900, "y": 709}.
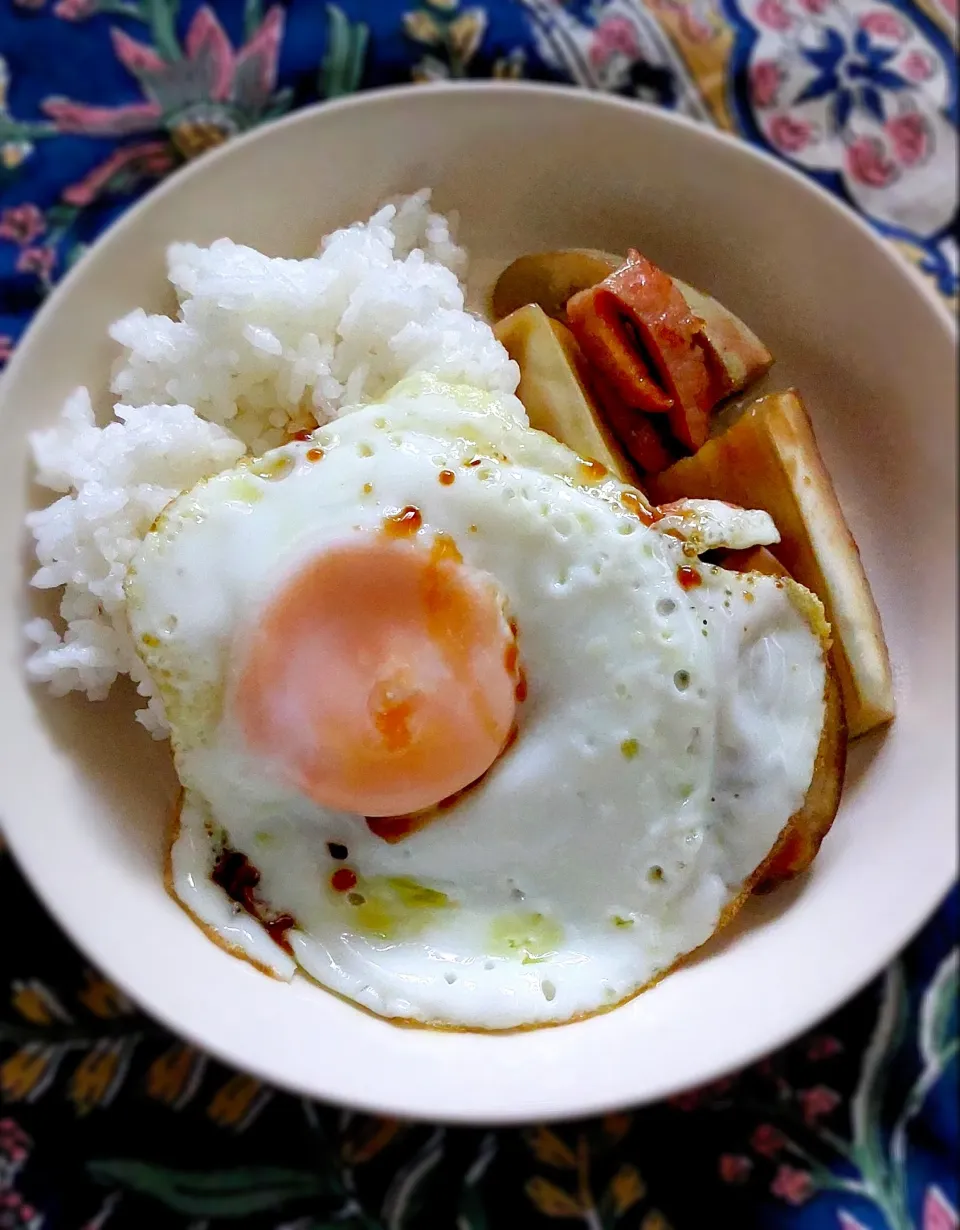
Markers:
{"x": 268, "y": 345}
{"x": 262, "y": 347}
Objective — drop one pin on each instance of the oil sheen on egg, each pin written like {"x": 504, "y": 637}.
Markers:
{"x": 666, "y": 725}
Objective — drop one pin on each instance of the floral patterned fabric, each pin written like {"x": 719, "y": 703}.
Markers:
{"x": 107, "y": 1120}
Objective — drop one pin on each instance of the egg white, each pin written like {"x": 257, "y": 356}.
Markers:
{"x": 667, "y": 737}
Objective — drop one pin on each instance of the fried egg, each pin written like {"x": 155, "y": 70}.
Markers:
{"x": 464, "y": 732}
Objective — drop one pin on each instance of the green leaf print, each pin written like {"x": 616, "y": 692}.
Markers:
{"x": 213, "y": 1193}
{"x": 162, "y": 17}
{"x": 342, "y": 69}
{"x": 867, "y": 1102}
{"x": 252, "y": 17}
{"x": 937, "y": 1008}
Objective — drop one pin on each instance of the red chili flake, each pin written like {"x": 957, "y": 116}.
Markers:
{"x": 403, "y": 524}
{"x": 521, "y": 692}
{"x": 343, "y": 879}
{"x": 688, "y": 577}
{"x": 303, "y": 435}
{"x": 637, "y": 506}
{"x": 446, "y": 477}
{"x": 593, "y": 470}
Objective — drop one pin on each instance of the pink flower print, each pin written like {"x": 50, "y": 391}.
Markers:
{"x": 207, "y": 44}
{"x": 773, "y": 14}
{"x": 868, "y": 163}
{"x": 6, "y": 350}
{"x": 613, "y": 36}
{"x": 767, "y": 1140}
{"x": 884, "y": 24}
{"x": 918, "y": 66}
{"x": 734, "y": 1168}
{"x": 910, "y": 136}
{"x": 136, "y": 58}
{"x": 37, "y": 260}
{"x": 765, "y": 78}
{"x": 817, "y": 1102}
{"x": 823, "y": 1047}
{"x": 938, "y": 1212}
{"x": 257, "y": 61}
{"x": 210, "y": 73}
{"x": 815, "y": 7}
{"x": 790, "y": 135}
{"x": 92, "y": 121}
{"x": 121, "y": 171}
{"x": 686, "y": 1101}
{"x": 849, "y": 1222}
{"x": 792, "y": 1185}
{"x": 14, "y": 1141}
{"x": 74, "y": 10}
{"x": 15, "y": 1213}
{"x": 22, "y": 223}
{"x": 694, "y": 1098}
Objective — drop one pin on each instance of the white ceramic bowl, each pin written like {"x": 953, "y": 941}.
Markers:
{"x": 85, "y": 794}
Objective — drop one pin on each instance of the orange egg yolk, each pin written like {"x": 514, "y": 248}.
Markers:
{"x": 381, "y": 678}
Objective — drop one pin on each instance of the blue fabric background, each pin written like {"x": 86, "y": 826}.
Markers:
{"x": 110, "y": 1122}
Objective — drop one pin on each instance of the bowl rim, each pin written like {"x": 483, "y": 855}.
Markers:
{"x": 361, "y": 1098}
{"x": 362, "y": 98}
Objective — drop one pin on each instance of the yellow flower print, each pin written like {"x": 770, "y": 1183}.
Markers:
{"x": 28, "y": 1072}
{"x": 626, "y": 1188}
{"x": 422, "y": 27}
{"x": 238, "y": 1102}
{"x": 102, "y": 998}
{"x": 916, "y": 255}
{"x": 429, "y": 69}
{"x": 615, "y": 1127}
{"x": 17, "y": 148}
{"x": 551, "y": 1200}
{"x": 99, "y": 1075}
{"x": 194, "y": 136}
{"x": 510, "y": 67}
{"x": 547, "y": 1147}
{"x": 36, "y": 1003}
{"x": 366, "y": 1138}
{"x": 465, "y": 34}
{"x": 453, "y": 36}
{"x": 14, "y": 153}
{"x": 173, "y": 1078}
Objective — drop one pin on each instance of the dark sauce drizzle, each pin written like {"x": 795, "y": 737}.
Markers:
{"x": 238, "y": 877}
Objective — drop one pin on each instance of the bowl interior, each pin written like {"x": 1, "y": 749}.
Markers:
{"x": 86, "y": 795}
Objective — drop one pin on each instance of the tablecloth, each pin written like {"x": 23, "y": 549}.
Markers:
{"x": 108, "y": 1120}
